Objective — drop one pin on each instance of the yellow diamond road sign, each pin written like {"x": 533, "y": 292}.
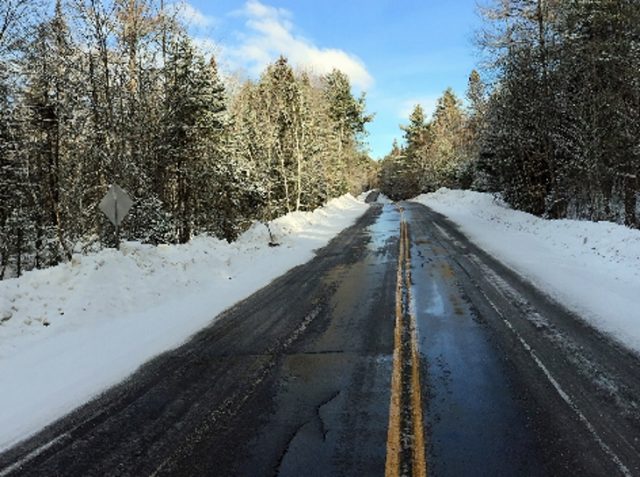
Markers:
{"x": 115, "y": 204}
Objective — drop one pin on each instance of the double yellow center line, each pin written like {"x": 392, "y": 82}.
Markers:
{"x": 405, "y": 437}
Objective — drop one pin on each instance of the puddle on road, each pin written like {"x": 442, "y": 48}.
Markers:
{"x": 435, "y": 302}
{"x": 382, "y": 246}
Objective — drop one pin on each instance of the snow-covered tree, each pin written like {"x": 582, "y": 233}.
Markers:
{"x": 192, "y": 123}
{"x": 114, "y": 91}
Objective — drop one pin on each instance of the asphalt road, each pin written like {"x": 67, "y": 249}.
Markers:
{"x": 401, "y": 349}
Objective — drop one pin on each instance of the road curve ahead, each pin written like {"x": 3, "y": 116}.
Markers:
{"x": 400, "y": 349}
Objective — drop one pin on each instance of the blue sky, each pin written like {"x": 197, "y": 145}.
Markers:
{"x": 401, "y": 52}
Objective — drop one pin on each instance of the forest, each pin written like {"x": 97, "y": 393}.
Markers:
{"x": 97, "y": 92}
{"x": 553, "y": 123}
{"x": 100, "y": 92}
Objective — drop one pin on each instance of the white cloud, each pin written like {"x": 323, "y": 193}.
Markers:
{"x": 256, "y": 9}
{"x": 271, "y": 34}
{"x": 428, "y": 103}
{"x": 191, "y": 16}
{"x": 207, "y": 46}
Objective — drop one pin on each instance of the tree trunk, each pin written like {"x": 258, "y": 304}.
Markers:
{"x": 3, "y": 263}
{"x": 19, "y": 253}
{"x": 283, "y": 172}
{"x": 299, "y": 173}
{"x": 630, "y": 201}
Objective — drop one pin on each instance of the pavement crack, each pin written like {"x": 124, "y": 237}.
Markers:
{"x": 324, "y": 430}
{"x": 316, "y": 421}
{"x": 287, "y": 447}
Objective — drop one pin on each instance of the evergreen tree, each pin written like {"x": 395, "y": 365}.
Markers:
{"x": 192, "y": 122}
{"x": 349, "y": 118}
{"x": 599, "y": 72}
{"x": 446, "y": 154}
{"x": 10, "y": 174}
{"x": 393, "y": 176}
{"x": 347, "y": 112}
{"x": 469, "y": 175}
{"x": 50, "y": 112}
{"x": 416, "y": 132}
{"x": 476, "y": 94}
{"x": 522, "y": 147}
{"x": 411, "y": 162}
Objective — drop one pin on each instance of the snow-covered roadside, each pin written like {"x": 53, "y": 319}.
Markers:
{"x": 71, "y": 331}
{"x": 592, "y": 268}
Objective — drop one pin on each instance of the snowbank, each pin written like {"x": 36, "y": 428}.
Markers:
{"x": 592, "y": 268}
{"x": 381, "y": 199}
{"x": 69, "y": 332}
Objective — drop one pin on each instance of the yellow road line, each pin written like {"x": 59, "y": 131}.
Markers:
{"x": 403, "y": 279}
{"x": 392, "y": 466}
{"x": 419, "y": 459}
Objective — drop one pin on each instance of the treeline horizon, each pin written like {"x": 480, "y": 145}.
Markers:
{"x": 554, "y": 125}
{"x": 115, "y": 91}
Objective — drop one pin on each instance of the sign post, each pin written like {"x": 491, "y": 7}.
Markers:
{"x": 115, "y": 205}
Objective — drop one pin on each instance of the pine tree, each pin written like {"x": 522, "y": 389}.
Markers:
{"x": 192, "y": 121}
{"x": 393, "y": 176}
{"x": 412, "y": 161}
{"x": 250, "y": 147}
{"x": 446, "y": 154}
{"x": 476, "y": 94}
{"x": 416, "y": 132}
{"x": 229, "y": 199}
{"x": 279, "y": 96}
{"x": 470, "y": 176}
{"x": 10, "y": 172}
{"x": 51, "y": 108}
{"x": 349, "y": 119}
{"x": 347, "y": 112}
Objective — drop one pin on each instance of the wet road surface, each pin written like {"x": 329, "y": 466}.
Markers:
{"x": 401, "y": 349}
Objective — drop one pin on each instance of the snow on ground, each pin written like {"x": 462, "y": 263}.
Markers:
{"x": 381, "y": 199}
{"x": 592, "y": 268}
{"x": 364, "y": 195}
{"x": 69, "y": 332}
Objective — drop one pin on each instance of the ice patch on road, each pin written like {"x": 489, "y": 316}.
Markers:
{"x": 71, "y": 331}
